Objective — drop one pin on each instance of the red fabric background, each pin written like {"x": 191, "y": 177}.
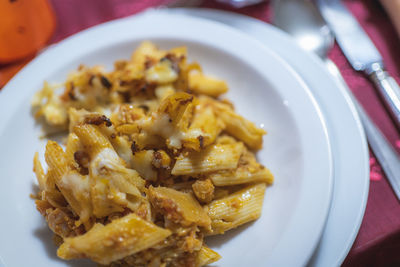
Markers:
{"x": 378, "y": 242}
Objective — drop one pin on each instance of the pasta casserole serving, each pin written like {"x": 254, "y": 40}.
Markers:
{"x": 154, "y": 161}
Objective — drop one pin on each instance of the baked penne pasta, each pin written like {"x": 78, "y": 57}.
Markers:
{"x": 178, "y": 206}
{"x": 153, "y": 162}
{"x": 207, "y": 256}
{"x": 202, "y": 84}
{"x": 236, "y": 209}
{"x": 212, "y": 158}
{"x": 248, "y": 171}
{"x": 120, "y": 238}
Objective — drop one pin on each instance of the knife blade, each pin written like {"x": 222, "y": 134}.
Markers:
{"x": 361, "y": 52}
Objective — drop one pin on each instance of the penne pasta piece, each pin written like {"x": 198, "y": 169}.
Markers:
{"x": 212, "y": 158}
{"x": 164, "y": 91}
{"x": 92, "y": 139}
{"x": 127, "y": 129}
{"x": 144, "y": 210}
{"x": 204, "y": 129}
{"x": 241, "y": 176}
{"x": 144, "y": 51}
{"x": 73, "y": 145}
{"x": 163, "y": 72}
{"x": 175, "y": 106}
{"x": 116, "y": 240}
{"x": 73, "y": 186}
{"x": 38, "y": 170}
{"x": 55, "y": 198}
{"x": 76, "y": 190}
{"x": 237, "y": 125}
{"x": 142, "y": 163}
{"x": 113, "y": 186}
{"x": 178, "y": 207}
{"x": 180, "y": 51}
{"x": 171, "y": 119}
{"x": 206, "y": 256}
{"x": 123, "y": 148}
{"x": 225, "y": 139}
{"x": 203, "y": 84}
{"x": 236, "y": 209}
{"x": 182, "y": 83}
{"x": 248, "y": 171}
{"x": 56, "y": 160}
{"x": 241, "y": 128}
{"x": 76, "y": 117}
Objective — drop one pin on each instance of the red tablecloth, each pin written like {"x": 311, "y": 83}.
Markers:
{"x": 378, "y": 242}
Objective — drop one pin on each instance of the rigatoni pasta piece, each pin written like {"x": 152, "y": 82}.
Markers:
{"x": 212, "y": 158}
{"x": 206, "y": 256}
{"x": 178, "y": 207}
{"x": 248, "y": 171}
{"x": 203, "y": 84}
{"x": 116, "y": 240}
{"x": 236, "y": 209}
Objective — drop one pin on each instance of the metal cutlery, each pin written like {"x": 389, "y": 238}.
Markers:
{"x": 310, "y": 31}
{"x": 361, "y": 52}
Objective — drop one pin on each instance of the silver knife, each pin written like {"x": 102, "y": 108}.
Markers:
{"x": 361, "y": 52}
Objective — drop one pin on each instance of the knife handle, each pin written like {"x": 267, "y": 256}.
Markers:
{"x": 380, "y": 146}
{"x": 389, "y": 90}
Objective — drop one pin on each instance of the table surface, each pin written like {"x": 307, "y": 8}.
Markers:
{"x": 378, "y": 241}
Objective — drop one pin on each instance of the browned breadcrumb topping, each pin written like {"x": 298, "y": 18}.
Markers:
{"x": 98, "y": 120}
{"x": 203, "y": 190}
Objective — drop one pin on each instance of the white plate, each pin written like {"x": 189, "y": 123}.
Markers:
{"x": 349, "y": 146}
{"x": 263, "y": 87}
